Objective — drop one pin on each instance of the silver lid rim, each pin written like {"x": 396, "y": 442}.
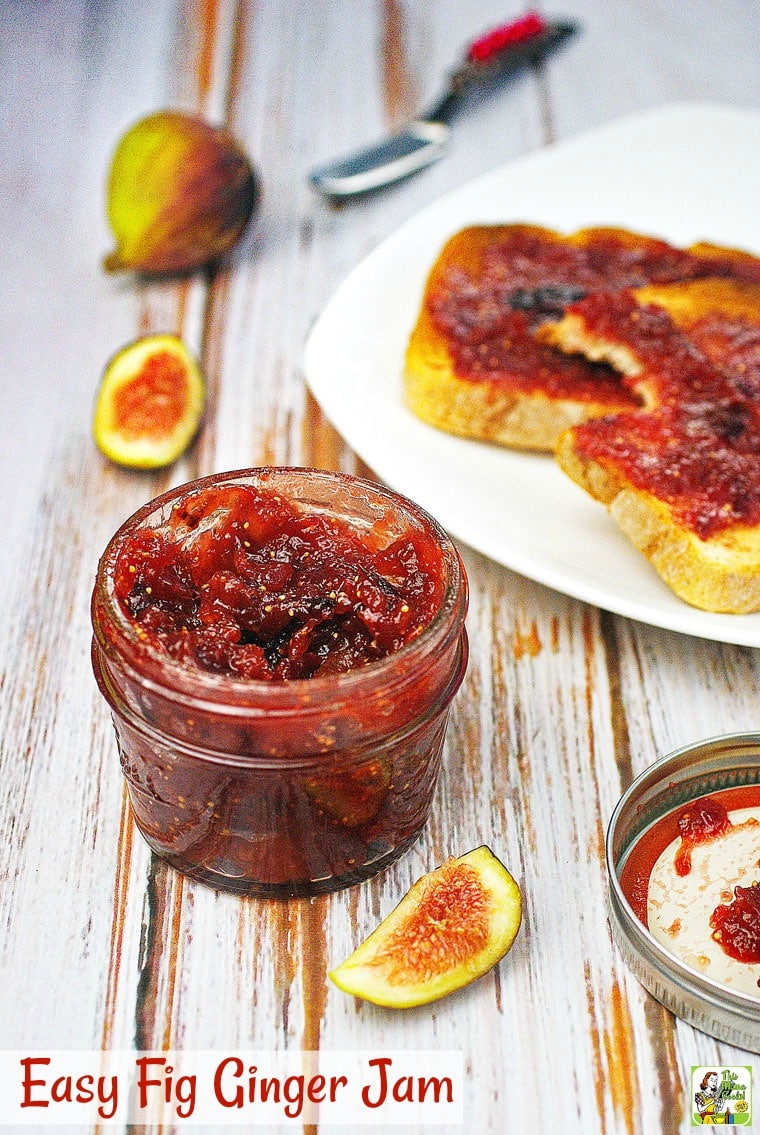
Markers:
{"x": 711, "y": 1007}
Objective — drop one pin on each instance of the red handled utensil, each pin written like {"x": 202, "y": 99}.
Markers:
{"x": 492, "y": 57}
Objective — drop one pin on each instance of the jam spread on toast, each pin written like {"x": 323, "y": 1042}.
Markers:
{"x": 494, "y": 287}
{"x": 698, "y": 447}
{"x": 508, "y": 353}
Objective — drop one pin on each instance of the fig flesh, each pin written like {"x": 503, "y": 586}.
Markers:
{"x": 453, "y": 926}
{"x": 180, "y": 193}
{"x": 150, "y": 403}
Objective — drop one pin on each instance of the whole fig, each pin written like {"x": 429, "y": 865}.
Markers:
{"x": 180, "y": 194}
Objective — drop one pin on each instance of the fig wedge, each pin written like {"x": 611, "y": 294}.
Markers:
{"x": 150, "y": 403}
{"x": 453, "y": 926}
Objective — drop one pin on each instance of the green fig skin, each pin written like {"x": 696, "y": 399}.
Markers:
{"x": 180, "y": 195}
{"x": 451, "y": 928}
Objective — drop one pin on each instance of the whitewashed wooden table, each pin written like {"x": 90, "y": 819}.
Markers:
{"x": 101, "y": 945}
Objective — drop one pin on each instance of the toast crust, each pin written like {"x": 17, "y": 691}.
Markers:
{"x": 721, "y": 574}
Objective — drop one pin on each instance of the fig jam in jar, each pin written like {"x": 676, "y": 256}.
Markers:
{"x": 279, "y": 649}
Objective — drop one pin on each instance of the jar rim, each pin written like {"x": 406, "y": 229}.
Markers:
{"x": 163, "y": 673}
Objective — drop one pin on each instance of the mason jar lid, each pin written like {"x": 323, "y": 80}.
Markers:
{"x": 726, "y": 762}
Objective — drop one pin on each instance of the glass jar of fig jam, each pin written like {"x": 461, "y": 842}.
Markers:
{"x": 279, "y": 648}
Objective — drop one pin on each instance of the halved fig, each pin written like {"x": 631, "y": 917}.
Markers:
{"x": 453, "y": 926}
{"x": 150, "y": 403}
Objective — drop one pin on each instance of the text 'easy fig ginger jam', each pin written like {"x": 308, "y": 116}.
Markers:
{"x": 279, "y": 649}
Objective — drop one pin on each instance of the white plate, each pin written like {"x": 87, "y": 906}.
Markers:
{"x": 685, "y": 173}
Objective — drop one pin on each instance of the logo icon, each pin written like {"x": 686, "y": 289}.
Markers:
{"x": 721, "y": 1095}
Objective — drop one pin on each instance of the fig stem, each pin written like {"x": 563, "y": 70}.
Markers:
{"x": 113, "y": 262}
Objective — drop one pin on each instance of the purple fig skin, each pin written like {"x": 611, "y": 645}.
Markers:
{"x": 180, "y": 195}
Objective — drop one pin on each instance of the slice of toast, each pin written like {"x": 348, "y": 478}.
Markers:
{"x": 475, "y": 365}
{"x": 681, "y": 476}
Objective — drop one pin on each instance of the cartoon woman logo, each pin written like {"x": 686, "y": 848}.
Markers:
{"x": 710, "y": 1102}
